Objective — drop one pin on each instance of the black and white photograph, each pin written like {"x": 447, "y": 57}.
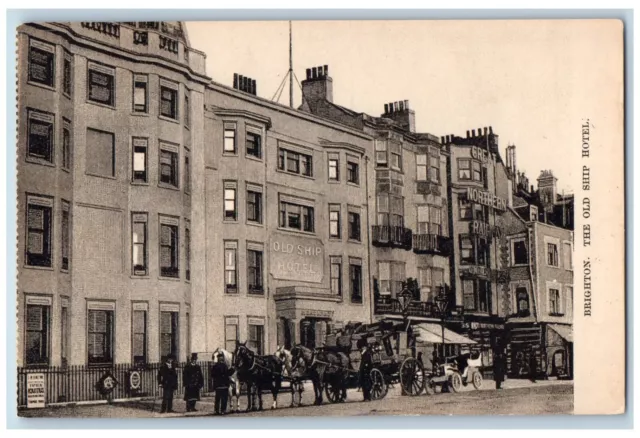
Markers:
{"x": 318, "y": 218}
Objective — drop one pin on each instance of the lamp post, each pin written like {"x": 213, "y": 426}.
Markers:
{"x": 404, "y": 299}
{"x": 441, "y": 302}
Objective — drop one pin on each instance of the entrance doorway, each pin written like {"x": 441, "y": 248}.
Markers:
{"x": 313, "y": 332}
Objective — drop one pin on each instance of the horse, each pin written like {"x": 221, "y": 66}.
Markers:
{"x": 292, "y": 372}
{"x": 234, "y": 387}
{"x": 320, "y": 366}
{"x": 258, "y": 373}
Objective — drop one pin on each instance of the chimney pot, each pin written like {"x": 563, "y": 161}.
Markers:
{"x": 326, "y": 70}
{"x": 314, "y": 72}
{"x": 485, "y": 130}
{"x": 386, "y": 108}
{"x": 406, "y": 104}
{"x": 396, "y": 106}
{"x": 490, "y": 130}
{"x": 479, "y": 132}
{"x": 235, "y": 81}
{"x": 401, "y": 105}
{"x": 247, "y": 81}
{"x": 308, "y": 73}
{"x": 442, "y": 140}
{"x": 253, "y": 87}
{"x": 467, "y": 133}
{"x": 473, "y": 133}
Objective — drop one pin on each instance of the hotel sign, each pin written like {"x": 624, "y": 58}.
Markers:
{"x": 296, "y": 258}
{"x": 485, "y": 198}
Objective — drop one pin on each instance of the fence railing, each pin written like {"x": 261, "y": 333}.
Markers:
{"x": 79, "y": 383}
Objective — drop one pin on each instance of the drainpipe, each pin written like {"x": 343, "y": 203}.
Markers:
{"x": 371, "y": 295}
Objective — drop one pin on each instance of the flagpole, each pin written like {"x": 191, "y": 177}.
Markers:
{"x": 290, "y": 67}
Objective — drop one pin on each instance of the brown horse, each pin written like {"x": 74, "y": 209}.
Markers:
{"x": 322, "y": 366}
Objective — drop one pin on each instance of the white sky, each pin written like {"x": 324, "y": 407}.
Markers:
{"x": 532, "y": 81}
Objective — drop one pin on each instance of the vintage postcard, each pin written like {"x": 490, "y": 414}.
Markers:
{"x": 320, "y": 218}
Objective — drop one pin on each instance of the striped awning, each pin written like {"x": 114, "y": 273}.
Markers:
{"x": 433, "y": 333}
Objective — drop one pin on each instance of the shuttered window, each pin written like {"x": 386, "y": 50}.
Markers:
{"x": 139, "y": 329}
{"x": 39, "y": 229}
{"x": 169, "y": 251}
{"x": 100, "y": 336}
{"x": 168, "y": 333}
{"x": 37, "y": 334}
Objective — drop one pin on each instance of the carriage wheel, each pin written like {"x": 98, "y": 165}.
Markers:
{"x": 379, "y": 387}
{"x": 455, "y": 382}
{"x": 412, "y": 377}
{"x": 333, "y": 392}
{"x": 476, "y": 379}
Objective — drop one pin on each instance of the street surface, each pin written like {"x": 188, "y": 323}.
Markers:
{"x": 518, "y": 397}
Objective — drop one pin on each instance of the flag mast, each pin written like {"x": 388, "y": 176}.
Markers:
{"x": 290, "y": 67}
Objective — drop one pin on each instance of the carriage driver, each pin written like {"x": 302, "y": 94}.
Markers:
{"x": 366, "y": 365}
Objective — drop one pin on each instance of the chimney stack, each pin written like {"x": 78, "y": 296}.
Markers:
{"x": 244, "y": 83}
{"x": 318, "y": 85}
{"x": 400, "y": 112}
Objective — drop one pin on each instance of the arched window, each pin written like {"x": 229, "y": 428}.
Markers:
{"x": 522, "y": 301}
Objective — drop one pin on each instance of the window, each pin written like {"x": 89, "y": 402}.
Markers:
{"x": 396, "y": 155}
{"x": 354, "y": 226}
{"x": 140, "y": 162}
{"x": 334, "y": 169}
{"x": 169, "y": 249}
{"x": 230, "y": 201}
{"x": 187, "y": 252}
{"x": 254, "y": 271}
{"x": 67, "y": 74}
{"x": 484, "y": 295}
{"x": 168, "y": 100}
{"x": 294, "y": 162}
{"x": 477, "y": 170}
{"x": 476, "y": 295}
{"x": 468, "y": 295}
{"x": 187, "y": 110}
{"x": 139, "y": 333}
{"x": 465, "y": 209}
{"x": 39, "y": 230}
{"x": 101, "y": 84}
{"x": 567, "y": 255}
{"x": 480, "y": 212}
{"x": 41, "y": 135}
{"x": 464, "y": 169}
{"x": 187, "y": 172}
{"x": 101, "y": 153}
{"x": 295, "y": 216}
{"x": 65, "y": 224}
{"x": 334, "y": 221}
{"x": 66, "y": 144}
{"x": 397, "y": 277}
{"x": 336, "y": 276}
{"x": 42, "y": 65}
{"x": 434, "y": 169}
{"x": 254, "y": 144}
{"x": 381, "y": 153}
{"x": 384, "y": 278}
{"x": 519, "y": 254}
{"x": 421, "y": 167}
{"x": 429, "y": 220}
{"x": 555, "y": 303}
{"x": 37, "y": 331}
{"x": 355, "y": 280}
{"x": 64, "y": 330}
{"x": 390, "y": 210}
{"x": 353, "y": 172}
{"x": 169, "y": 165}
{"x": 229, "y": 139}
{"x": 522, "y": 301}
{"x": 474, "y": 250}
{"x": 254, "y": 204}
{"x": 168, "y": 331}
{"x": 100, "y": 334}
{"x": 552, "y": 254}
{"x": 230, "y": 333}
{"x": 140, "y": 93}
{"x": 467, "y": 253}
{"x": 139, "y": 243}
{"x": 256, "y": 336}
{"x": 430, "y": 282}
{"x": 230, "y": 267}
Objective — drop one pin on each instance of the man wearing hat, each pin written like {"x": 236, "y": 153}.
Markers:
{"x": 366, "y": 365}
{"x": 168, "y": 380}
{"x": 193, "y": 381}
{"x": 220, "y": 374}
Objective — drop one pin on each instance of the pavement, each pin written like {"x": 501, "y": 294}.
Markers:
{"x": 518, "y": 397}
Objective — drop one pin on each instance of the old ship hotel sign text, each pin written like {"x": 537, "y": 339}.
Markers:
{"x": 163, "y": 213}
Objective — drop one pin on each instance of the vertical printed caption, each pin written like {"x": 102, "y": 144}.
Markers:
{"x": 586, "y": 216}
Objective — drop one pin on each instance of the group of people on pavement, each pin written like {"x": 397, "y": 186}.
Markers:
{"x": 193, "y": 382}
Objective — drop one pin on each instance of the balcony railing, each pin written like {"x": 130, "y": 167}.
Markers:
{"x": 389, "y": 306}
{"x": 392, "y": 236}
{"x": 110, "y": 29}
{"x": 431, "y": 244}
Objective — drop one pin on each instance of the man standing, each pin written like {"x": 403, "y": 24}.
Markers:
{"x": 499, "y": 369}
{"x": 193, "y": 381}
{"x": 533, "y": 366}
{"x": 366, "y": 365}
{"x": 220, "y": 374}
{"x": 168, "y": 380}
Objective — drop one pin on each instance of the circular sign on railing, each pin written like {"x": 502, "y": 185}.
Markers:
{"x": 135, "y": 380}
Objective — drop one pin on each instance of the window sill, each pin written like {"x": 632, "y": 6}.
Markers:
{"x": 552, "y": 266}
{"x": 356, "y": 303}
{"x": 64, "y": 271}
{"x": 230, "y": 221}
{"x": 187, "y": 127}
{"x": 169, "y": 119}
{"x": 294, "y": 231}
{"x": 100, "y": 176}
{"x": 229, "y": 154}
{"x": 39, "y": 268}
{"x": 556, "y": 314}
{"x": 39, "y": 85}
{"x": 353, "y": 184}
{"x": 140, "y": 183}
{"x": 40, "y": 161}
{"x": 254, "y": 158}
{"x": 140, "y": 277}
{"x": 520, "y": 265}
{"x": 231, "y": 294}
{"x": 256, "y": 294}
{"x": 359, "y": 242}
{"x": 169, "y": 278}
{"x": 335, "y": 238}
{"x": 333, "y": 181}
{"x": 295, "y": 174}
{"x": 140, "y": 114}
{"x": 103, "y": 105}
{"x": 66, "y": 169}
{"x": 255, "y": 224}
{"x": 67, "y": 95}
{"x": 168, "y": 186}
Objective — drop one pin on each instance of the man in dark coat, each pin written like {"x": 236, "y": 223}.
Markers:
{"x": 499, "y": 369}
{"x": 168, "y": 380}
{"x": 221, "y": 374}
{"x": 366, "y": 365}
{"x": 193, "y": 381}
{"x": 533, "y": 367}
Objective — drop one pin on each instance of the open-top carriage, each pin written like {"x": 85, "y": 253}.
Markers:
{"x": 394, "y": 361}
